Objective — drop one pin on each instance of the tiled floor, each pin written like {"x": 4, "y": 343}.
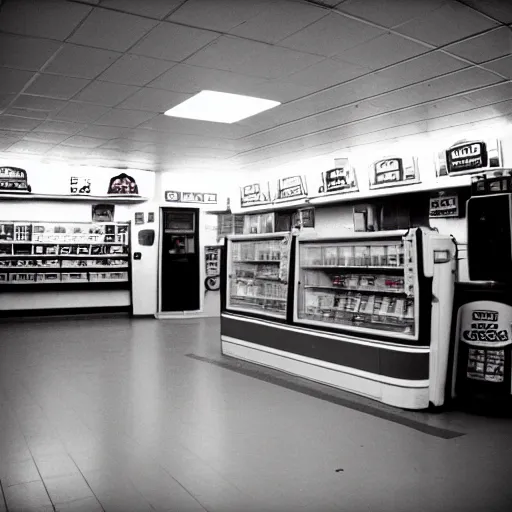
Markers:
{"x": 110, "y": 414}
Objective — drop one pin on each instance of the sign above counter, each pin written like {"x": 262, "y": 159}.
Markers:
{"x": 174, "y": 196}
{"x": 13, "y": 179}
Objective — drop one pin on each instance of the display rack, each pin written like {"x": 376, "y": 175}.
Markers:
{"x": 258, "y": 271}
{"x": 363, "y": 286}
{"x": 43, "y": 255}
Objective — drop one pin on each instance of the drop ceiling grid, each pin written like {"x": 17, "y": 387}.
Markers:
{"x": 22, "y": 106}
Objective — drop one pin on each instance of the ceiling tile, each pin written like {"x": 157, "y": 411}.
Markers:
{"x": 60, "y": 127}
{"x": 53, "y": 19}
{"x": 192, "y": 79}
{"x": 252, "y": 58}
{"x": 81, "y": 61}
{"x": 26, "y": 146}
{"x": 279, "y": 20}
{"x": 490, "y": 95}
{"x": 173, "y": 42}
{"x": 158, "y": 9}
{"x": 498, "y": 9}
{"x": 81, "y": 112}
{"x": 106, "y": 93}
{"x": 125, "y": 144}
{"x": 55, "y": 86}
{"x": 389, "y": 14}
{"x": 69, "y": 152}
{"x": 382, "y": 51}
{"x": 18, "y": 123}
{"x": 25, "y": 52}
{"x": 83, "y": 142}
{"x": 5, "y": 99}
{"x": 13, "y": 80}
{"x": 30, "y": 114}
{"x": 154, "y": 100}
{"x": 421, "y": 68}
{"x": 103, "y": 132}
{"x": 502, "y": 66}
{"x": 326, "y": 73}
{"x": 112, "y": 30}
{"x": 124, "y": 118}
{"x": 281, "y": 90}
{"x": 49, "y": 138}
{"x": 491, "y": 45}
{"x": 331, "y": 35}
{"x": 135, "y": 70}
{"x": 38, "y": 103}
{"x": 221, "y": 15}
{"x": 447, "y": 24}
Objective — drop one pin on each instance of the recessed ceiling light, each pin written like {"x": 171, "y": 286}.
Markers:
{"x": 220, "y": 107}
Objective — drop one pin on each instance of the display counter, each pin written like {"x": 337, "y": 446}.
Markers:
{"x": 369, "y": 314}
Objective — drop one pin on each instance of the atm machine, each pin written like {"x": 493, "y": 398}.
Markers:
{"x": 180, "y": 270}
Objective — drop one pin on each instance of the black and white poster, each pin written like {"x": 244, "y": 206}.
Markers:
{"x": 13, "y": 179}
{"x": 393, "y": 171}
{"x": 123, "y": 185}
{"x": 174, "y": 196}
{"x": 79, "y": 185}
{"x": 255, "y": 194}
{"x": 339, "y": 180}
{"x": 290, "y": 188}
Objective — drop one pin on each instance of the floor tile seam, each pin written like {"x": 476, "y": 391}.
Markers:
{"x": 281, "y": 381}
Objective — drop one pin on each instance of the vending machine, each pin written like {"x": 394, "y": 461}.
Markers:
{"x": 482, "y": 379}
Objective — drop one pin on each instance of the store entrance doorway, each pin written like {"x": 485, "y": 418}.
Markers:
{"x": 180, "y": 271}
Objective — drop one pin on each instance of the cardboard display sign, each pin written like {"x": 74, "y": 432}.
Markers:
{"x": 13, "y": 179}
{"x": 292, "y": 187}
{"x": 466, "y": 157}
{"x": 123, "y": 185}
{"x": 79, "y": 185}
{"x": 339, "y": 180}
{"x": 173, "y": 196}
{"x": 393, "y": 171}
{"x": 444, "y": 206}
{"x": 255, "y": 194}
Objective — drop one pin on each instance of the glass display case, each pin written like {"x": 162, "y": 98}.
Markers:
{"x": 258, "y": 273}
{"x": 367, "y": 285}
{"x": 40, "y": 253}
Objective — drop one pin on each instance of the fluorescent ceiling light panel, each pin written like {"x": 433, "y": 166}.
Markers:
{"x": 220, "y": 107}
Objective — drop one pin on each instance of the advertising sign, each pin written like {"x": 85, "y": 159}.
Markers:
{"x": 466, "y": 157}
{"x": 393, "y": 171}
{"x": 123, "y": 185}
{"x": 485, "y": 324}
{"x": 444, "y": 205}
{"x": 486, "y": 327}
{"x": 79, "y": 185}
{"x": 339, "y": 180}
{"x": 173, "y": 196}
{"x": 13, "y": 179}
{"x": 255, "y": 194}
{"x": 292, "y": 187}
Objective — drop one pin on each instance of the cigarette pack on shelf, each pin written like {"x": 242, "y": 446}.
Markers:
{"x": 48, "y": 277}
{"x": 362, "y": 256}
{"x": 22, "y": 232}
{"x": 346, "y": 256}
{"x": 378, "y": 256}
{"x": 22, "y": 249}
{"x": 118, "y": 276}
{"x": 66, "y": 250}
{"x": 313, "y": 256}
{"x": 6, "y": 232}
{"x": 98, "y": 276}
{"x": 123, "y": 228}
{"x": 23, "y": 278}
{"x": 47, "y": 263}
{"x": 330, "y": 256}
{"x": 76, "y": 277}
{"x": 116, "y": 249}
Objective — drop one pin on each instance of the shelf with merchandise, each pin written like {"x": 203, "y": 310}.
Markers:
{"x": 358, "y": 290}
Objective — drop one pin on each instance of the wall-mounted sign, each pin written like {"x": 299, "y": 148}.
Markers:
{"x": 255, "y": 194}
{"x": 79, "y": 185}
{"x": 393, "y": 171}
{"x": 123, "y": 185}
{"x": 304, "y": 218}
{"x": 13, "y": 179}
{"x": 172, "y": 196}
{"x": 338, "y": 180}
{"x": 492, "y": 182}
{"x": 292, "y": 187}
{"x": 139, "y": 217}
{"x": 444, "y": 205}
{"x": 466, "y": 157}
{"x": 151, "y": 216}
{"x": 103, "y": 212}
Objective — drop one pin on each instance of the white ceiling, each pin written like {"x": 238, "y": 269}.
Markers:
{"x": 88, "y": 80}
